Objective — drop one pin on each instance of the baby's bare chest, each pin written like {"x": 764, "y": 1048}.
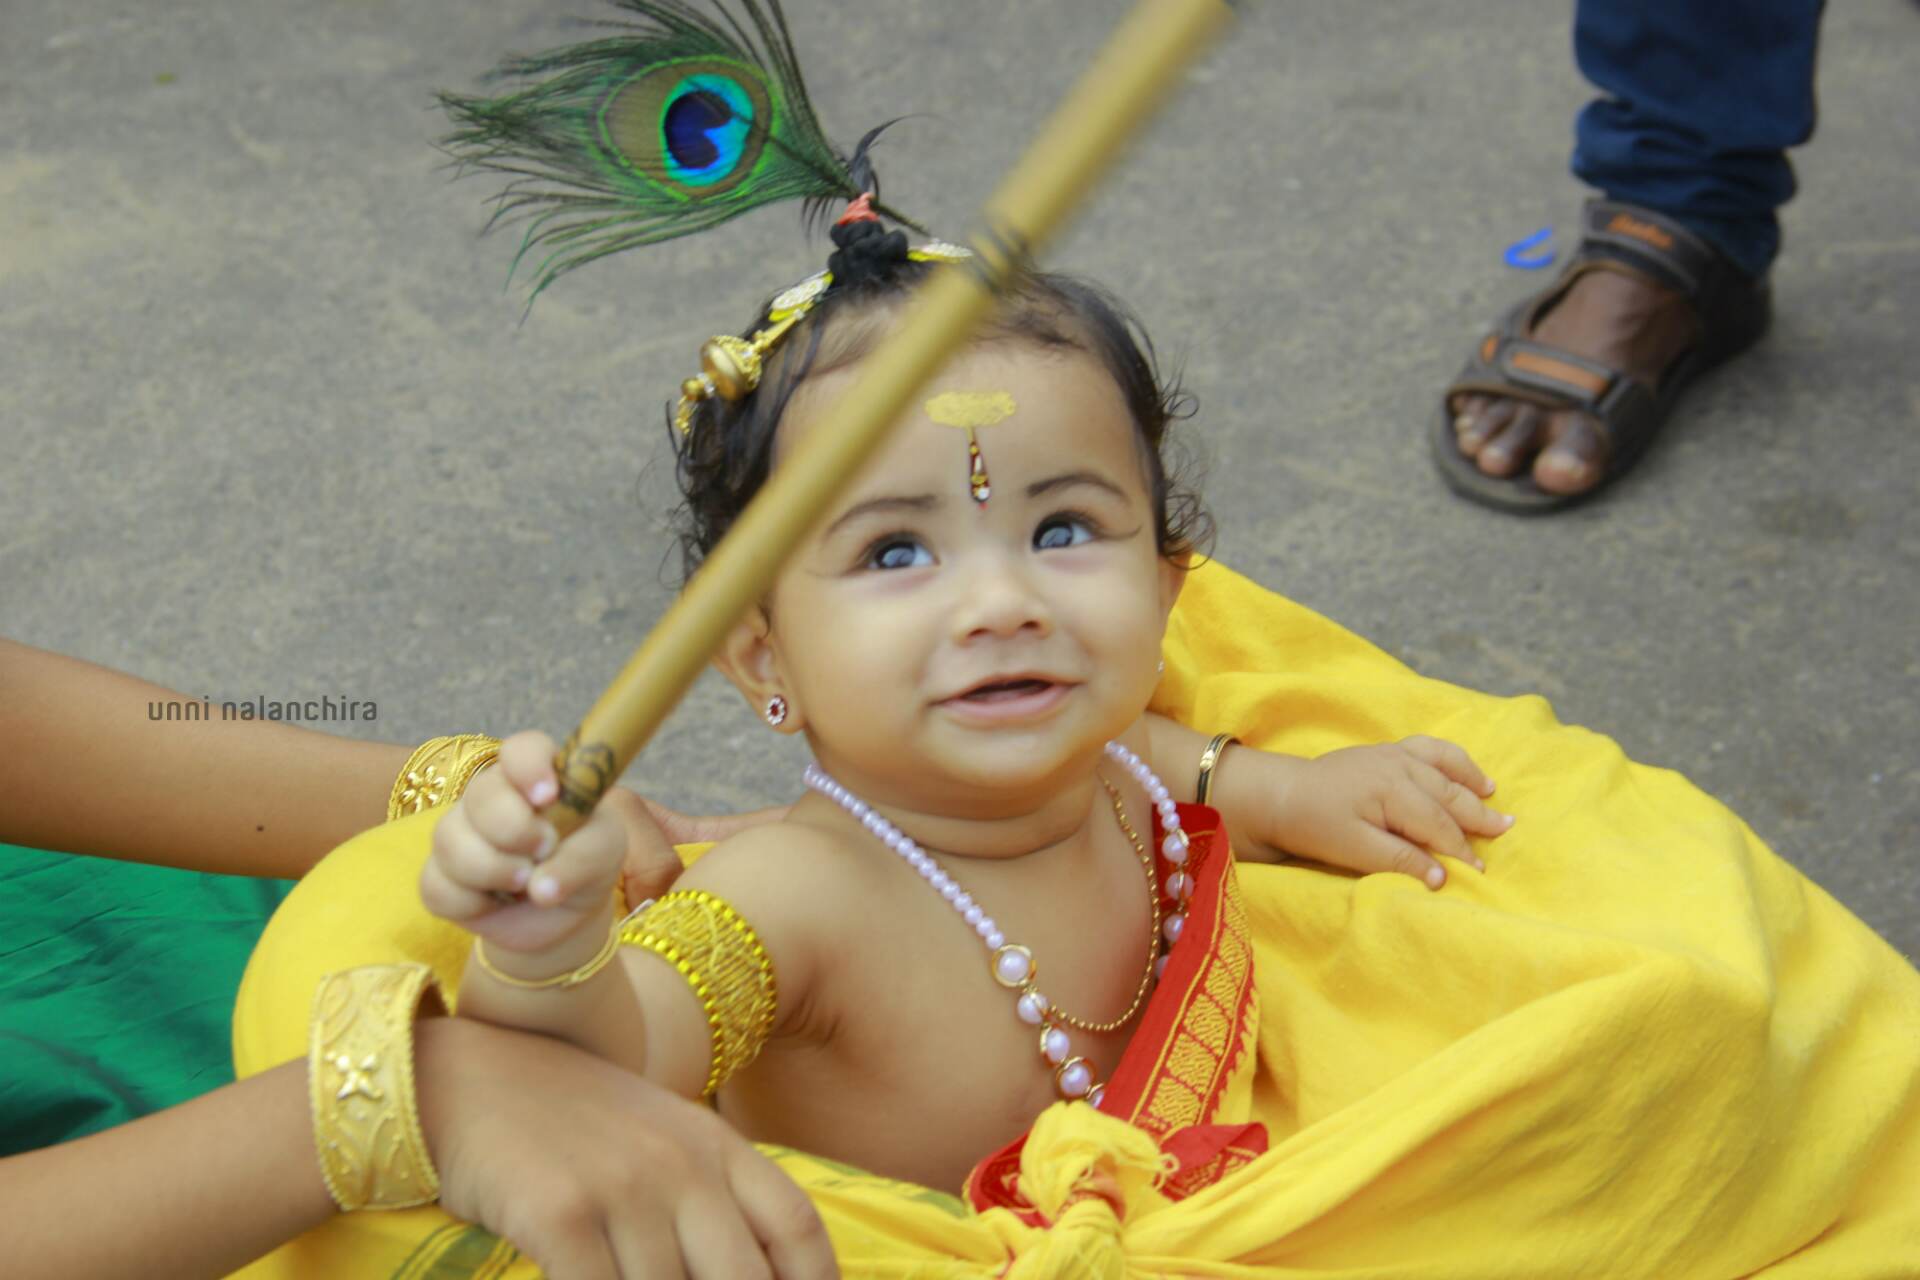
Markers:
{"x": 915, "y": 1061}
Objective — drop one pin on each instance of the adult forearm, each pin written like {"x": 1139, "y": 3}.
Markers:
{"x": 196, "y": 1190}
{"x": 87, "y": 770}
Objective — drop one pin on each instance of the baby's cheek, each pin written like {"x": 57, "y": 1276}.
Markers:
{"x": 861, "y": 673}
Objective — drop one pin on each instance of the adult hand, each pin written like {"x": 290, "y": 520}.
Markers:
{"x": 596, "y": 1174}
{"x": 653, "y": 830}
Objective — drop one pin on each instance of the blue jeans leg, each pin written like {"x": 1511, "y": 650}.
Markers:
{"x": 1701, "y": 100}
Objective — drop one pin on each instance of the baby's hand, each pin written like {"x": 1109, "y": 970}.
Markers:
{"x": 498, "y": 868}
{"x": 1382, "y": 808}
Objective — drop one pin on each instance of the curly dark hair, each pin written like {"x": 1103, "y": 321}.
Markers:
{"x": 723, "y": 459}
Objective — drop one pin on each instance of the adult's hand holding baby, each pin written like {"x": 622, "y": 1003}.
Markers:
{"x": 598, "y": 1174}
{"x": 652, "y": 865}
{"x": 681, "y": 1194}
{"x": 1390, "y": 807}
{"x": 500, "y": 870}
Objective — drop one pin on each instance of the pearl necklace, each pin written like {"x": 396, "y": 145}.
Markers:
{"x": 1011, "y": 964}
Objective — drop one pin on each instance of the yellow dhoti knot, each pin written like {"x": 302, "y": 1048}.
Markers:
{"x": 1091, "y": 1179}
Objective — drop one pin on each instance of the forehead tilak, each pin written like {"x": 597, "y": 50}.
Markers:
{"x": 971, "y": 410}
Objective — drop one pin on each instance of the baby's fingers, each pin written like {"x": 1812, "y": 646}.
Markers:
{"x": 503, "y": 818}
{"x": 1378, "y": 849}
{"x": 527, "y": 761}
{"x": 1468, "y": 811}
{"x": 470, "y": 860}
{"x": 587, "y": 862}
{"x": 1450, "y": 759}
{"x": 451, "y": 900}
{"x": 1423, "y": 819}
{"x": 503, "y": 803}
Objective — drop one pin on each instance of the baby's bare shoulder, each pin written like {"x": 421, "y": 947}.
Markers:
{"x": 777, "y": 854}
{"x": 790, "y": 883}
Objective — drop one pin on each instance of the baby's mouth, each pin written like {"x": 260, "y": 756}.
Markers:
{"x": 1008, "y": 700}
{"x": 1005, "y": 690}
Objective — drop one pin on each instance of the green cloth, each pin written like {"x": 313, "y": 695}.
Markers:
{"x": 117, "y": 984}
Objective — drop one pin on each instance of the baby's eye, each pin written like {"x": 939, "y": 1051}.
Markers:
{"x": 1062, "y": 531}
{"x": 898, "y": 553}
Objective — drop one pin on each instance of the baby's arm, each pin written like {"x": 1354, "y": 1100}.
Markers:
{"x": 1374, "y": 808}
{"x": 542, "y": 909}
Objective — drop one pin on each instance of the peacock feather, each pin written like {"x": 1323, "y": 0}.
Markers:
{"x": 682, "y": 121}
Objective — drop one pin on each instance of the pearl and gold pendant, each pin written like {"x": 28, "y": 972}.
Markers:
{"x": 1011, "y": 964}
{"x": 1013, "y": 967}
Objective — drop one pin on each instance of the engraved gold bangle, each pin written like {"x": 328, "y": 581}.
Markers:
{"x": 573, "y": 977}
{"x": 438, "y": 771}
{"x": 721, "y": 958}
{"x": 1209, "y": 760}
{"x": 366, "y": 1128}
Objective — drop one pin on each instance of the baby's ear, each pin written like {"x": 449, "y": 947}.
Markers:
{"x": 1173, "y": 577}
{"x": 748, "y": 658}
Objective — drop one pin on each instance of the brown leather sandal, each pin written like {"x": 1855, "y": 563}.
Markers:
{"x": 1734, "y": 309}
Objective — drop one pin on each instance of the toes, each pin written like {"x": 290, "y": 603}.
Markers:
{"x": 1466, "y": 410}
{"x": 1488, "y": 419}
{"x": 1577, "y": 458}
{"x": 1515, "y": 443}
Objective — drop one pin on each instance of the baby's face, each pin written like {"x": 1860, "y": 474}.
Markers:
{"x": 969, "y": 656}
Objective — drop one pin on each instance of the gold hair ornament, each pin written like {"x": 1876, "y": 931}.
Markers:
{"x": 366, "y": 1128}
{"x": 730, "y": 366}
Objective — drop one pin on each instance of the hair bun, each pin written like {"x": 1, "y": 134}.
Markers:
{"x": 865, "y": 251}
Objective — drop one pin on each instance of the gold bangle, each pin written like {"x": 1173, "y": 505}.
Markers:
{"x": 721, "y": 958}
{"x": 571, "y": 978}
{"x": 438, "y": 771}
{"x": 1209, "y": 760}
{"x": 366, "y": 1128}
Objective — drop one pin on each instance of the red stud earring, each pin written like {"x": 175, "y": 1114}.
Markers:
{"x": 776, "y": 712}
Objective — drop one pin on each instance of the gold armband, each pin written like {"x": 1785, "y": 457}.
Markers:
{"x": 721, "y": 958}
{"x": 366, "y": 1129}
{"x": 1209, "y": 761}
{"x": 438, "y": 771}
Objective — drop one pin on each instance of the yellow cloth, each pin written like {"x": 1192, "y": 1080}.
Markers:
{"x": 1641, "y": 1045}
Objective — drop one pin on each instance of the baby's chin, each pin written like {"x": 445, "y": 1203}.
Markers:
{"x": 999, "y": 771}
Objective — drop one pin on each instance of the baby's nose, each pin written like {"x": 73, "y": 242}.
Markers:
{"x": 999, "y": 599}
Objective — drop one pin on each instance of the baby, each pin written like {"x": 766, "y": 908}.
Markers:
{"x": 961, "y": 921}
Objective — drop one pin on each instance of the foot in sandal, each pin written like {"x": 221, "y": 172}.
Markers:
{"x": 1570, "y": 387}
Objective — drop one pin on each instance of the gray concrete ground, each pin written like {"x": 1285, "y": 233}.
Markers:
{"x": 271, "y": 426}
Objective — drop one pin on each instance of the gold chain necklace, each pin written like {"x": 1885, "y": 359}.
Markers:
{"x": 1011, "y": 964}
{"x": 1153, "y": 930}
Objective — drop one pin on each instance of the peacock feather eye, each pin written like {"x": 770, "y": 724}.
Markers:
{"x": 692, "y": 113}
{"x": 694, "y": 128}
{"x": 705, "y": 129}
